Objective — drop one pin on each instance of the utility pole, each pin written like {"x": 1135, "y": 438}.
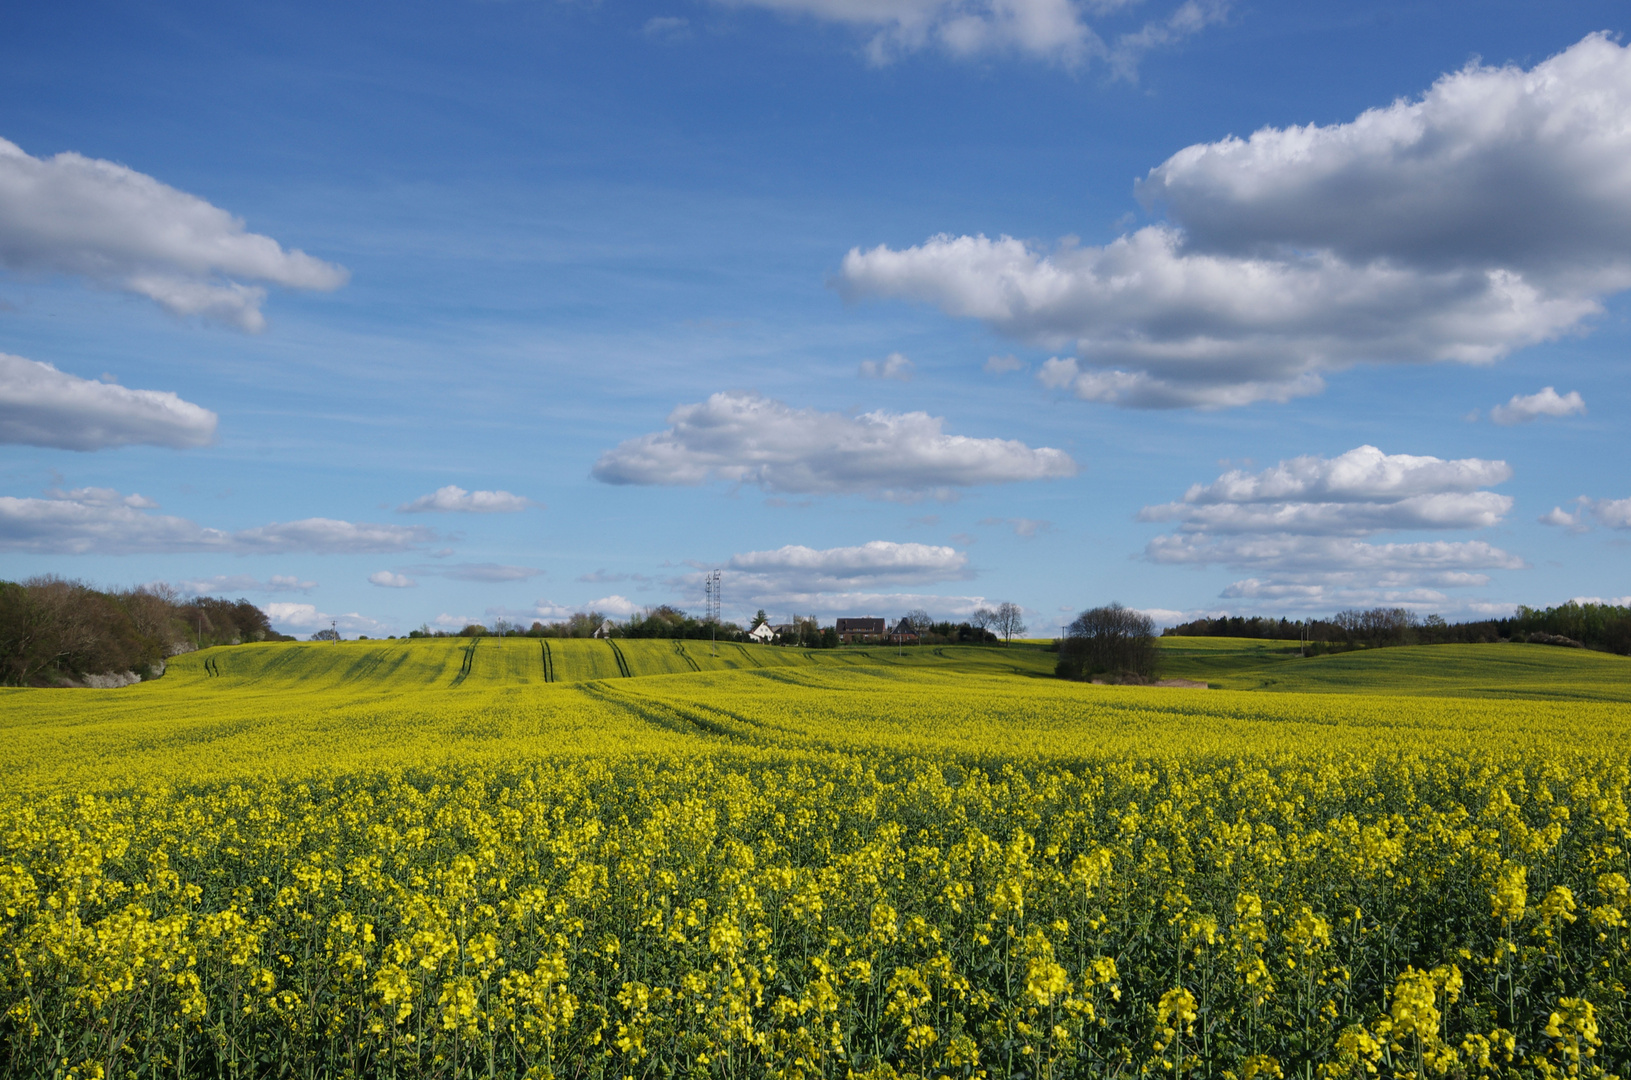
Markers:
{"x": 710, "y": 596}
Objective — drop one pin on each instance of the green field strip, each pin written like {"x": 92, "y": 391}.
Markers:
{"x": 1539, "y": 672}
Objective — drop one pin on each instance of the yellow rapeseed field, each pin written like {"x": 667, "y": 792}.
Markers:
{"x": 389, "y": 860}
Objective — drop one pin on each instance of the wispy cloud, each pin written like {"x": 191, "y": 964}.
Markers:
{"x": 298, "y": 618}
{"x": 605, "y": 577}
{"x": 668, "y": 29}
{"x": 101, "y": 521}
{"x": 851, "y": 580}
{"x": 614, "y": 605}
{"x": 488, "y": 572}
{"x": 236, "y": 584}
{"x": 1057, "y": 31}
{"x": 1023, "y": 527}
{"x": 894, "y": 366}
{"x": 878, "y": 561}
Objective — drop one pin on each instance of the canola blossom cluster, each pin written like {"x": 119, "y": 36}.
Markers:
{"x": 805, "y": 894}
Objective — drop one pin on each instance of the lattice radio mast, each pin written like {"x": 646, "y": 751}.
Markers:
{"x": 710, "y": 593}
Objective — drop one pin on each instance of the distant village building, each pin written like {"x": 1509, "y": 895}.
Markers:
{"x": 604, "y": 630}
{"x": 762, "y": 633}
{"x": 903, "y": 631}
{"x": 869, "y": 629}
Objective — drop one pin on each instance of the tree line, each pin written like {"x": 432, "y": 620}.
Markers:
{"x": 667, "y": 621}
{"x": 58, "y": 632}
{"x": 1585, "y": 625}
{"x": 661, "y": 621}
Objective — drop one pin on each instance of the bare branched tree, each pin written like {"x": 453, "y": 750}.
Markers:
{"x": 919, "y": 620}
{"x": 1009, "y": 621}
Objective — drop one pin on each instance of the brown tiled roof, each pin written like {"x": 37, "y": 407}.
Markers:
{"x": 860, "y": 626}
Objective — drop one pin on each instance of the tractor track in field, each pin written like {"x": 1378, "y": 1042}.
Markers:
{"x": 622, "y": 664}
{"x": 468, "y": 664}
{"x": 725, "y": 724}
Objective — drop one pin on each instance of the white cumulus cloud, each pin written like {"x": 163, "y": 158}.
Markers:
{"x": 1548, "y": 402}
{"x": 387, "y": 580}
{"x": 748, "y": 439}
{"x": 1562, "y": 519}
{"x": 1492, "y": 213}
{"x": 41, "y": 406}
{"x": 1359, "y": 492}
{"x": 1494, "y": 165}
{"x": 1363, "y": 474}
{"x": 1610, "y": 513}
{"x": 1299, "y": 528}
{"x": 122, "y": 229}
{"x": 454, "y": 499}
{"x": 1614, "y": 513}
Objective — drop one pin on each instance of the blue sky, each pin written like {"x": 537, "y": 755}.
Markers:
{"x": 454, "y": 311}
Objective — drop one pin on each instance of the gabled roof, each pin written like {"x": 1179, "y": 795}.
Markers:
{"x": 861, "y": 626}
